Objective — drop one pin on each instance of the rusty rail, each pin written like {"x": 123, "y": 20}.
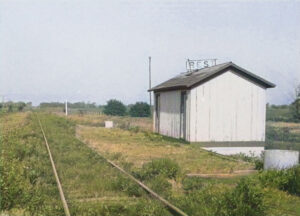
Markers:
{"x": 61, "y": 192}
{"x": 145, "y": 187}
{"x": 165, "y": 202}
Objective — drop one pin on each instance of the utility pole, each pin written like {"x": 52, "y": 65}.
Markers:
{"x": 66, "y": 107}
{"x": 150, "y": 94}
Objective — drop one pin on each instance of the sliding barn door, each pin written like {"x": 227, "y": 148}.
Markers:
{"x": 157, "y": 112}
{"x": 183, "y": 115}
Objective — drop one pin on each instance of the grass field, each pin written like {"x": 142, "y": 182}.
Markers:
{"x": 135, "y": 149}
{"x": 138, "y": 148}
{"x": 92, "y": 187}
{"x": 126, "y": 122}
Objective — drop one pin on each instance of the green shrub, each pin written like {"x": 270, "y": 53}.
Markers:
{"x": 205, "y": 202}
{"x": 115, "y": 108}
{"x": 12, "y": 187}
{"x": 140, "y": 109}
{"x": 245, "y": 200}
{"x": 259, "y": 164}
{"x": 286, "y": 180}
{"x": 126, "y": 185}
{"x": 162, "y": 166}
{"x": 160, "y": 185}
{"x": 134, "y": 190}
{"x": 192, "y": 183}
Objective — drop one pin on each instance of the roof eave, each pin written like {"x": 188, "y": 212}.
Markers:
{"x": 172, "y": 88}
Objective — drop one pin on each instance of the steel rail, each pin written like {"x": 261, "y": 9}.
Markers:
{"x": 61, "y": 192}
{"x": 145, "y": 187}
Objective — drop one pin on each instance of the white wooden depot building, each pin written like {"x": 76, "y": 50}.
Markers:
{"x": 223, "y": 103}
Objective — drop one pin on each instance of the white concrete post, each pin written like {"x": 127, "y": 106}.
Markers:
{"x": 66, "y": 108}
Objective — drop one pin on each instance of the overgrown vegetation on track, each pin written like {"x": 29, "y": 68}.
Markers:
{"x": 85, "y": 175}
{"x": 27, "y": 182}
{"x": 91, "y": 186}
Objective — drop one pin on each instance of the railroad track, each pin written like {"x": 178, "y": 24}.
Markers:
{"x": 61, "y": 192}
{"x": 155, "y": 195}
{"x": 173, "y": 209}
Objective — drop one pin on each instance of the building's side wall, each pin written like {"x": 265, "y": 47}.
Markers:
{"x": 169, "y": 124}
{"x": 188, "y": 115}
{"x": 227, "y": 108}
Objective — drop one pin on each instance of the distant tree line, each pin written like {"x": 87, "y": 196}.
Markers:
{"x": 76, "y": 105}
{"x": 14, "y": 106}
{"x": 288, "y": 113}
{"x": 117, "y": 108}
{"x": 113, "y": 107}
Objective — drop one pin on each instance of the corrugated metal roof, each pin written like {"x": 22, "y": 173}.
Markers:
{"x": 191, "y": 79}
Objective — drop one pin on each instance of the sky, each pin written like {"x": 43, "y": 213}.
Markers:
{"x": 92, "y": 50}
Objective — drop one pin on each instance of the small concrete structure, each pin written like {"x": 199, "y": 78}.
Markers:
{"x": 280, "y": 159}
{"x": 109, "y": 124}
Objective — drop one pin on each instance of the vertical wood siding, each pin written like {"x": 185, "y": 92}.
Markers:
{"x": 188, "y": 115}
{"x": 227, "y": 108}
{"x": 170, "y": 113}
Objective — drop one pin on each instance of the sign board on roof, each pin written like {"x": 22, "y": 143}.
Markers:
{"x": 199, "y": 64}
